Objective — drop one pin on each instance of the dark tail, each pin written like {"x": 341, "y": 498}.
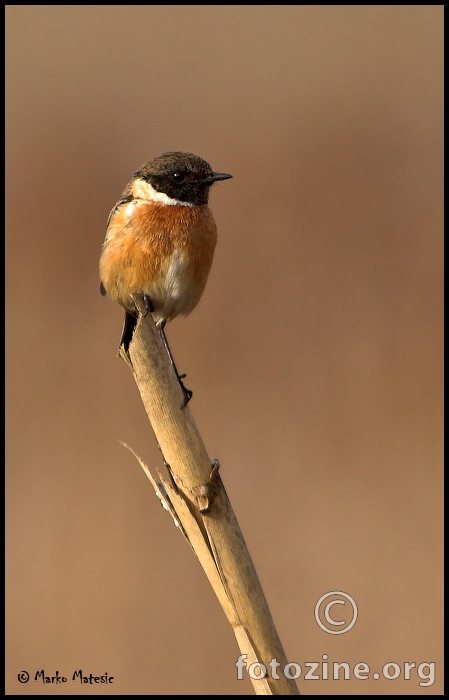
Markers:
{"x": 128, "y": 330}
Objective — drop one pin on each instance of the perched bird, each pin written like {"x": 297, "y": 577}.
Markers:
{"x": 160, "y": 241}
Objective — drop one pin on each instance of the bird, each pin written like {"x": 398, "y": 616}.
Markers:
{"x": 160, "y": 242}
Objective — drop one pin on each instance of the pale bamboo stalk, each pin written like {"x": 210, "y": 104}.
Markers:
{"x": 194, "y": 493}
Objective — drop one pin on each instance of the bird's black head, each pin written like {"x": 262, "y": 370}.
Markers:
{"x": 181, "y": 176}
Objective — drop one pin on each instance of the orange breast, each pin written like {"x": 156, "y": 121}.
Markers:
{"x": 164, "y": 251}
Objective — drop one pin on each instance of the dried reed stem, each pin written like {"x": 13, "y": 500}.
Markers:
{"x": 191, "y": 489}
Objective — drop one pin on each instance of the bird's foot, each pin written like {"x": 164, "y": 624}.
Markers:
{"x": 148, "y": 304}
{"x": 188, "y": 393}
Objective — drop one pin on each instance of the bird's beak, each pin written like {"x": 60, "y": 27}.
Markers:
{"x": 216, "y": 176}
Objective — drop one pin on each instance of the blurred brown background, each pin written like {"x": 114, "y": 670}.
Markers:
{"x": 315, "y": 354}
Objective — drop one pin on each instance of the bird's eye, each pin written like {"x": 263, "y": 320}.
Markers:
{"x": 179, "y": 177}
